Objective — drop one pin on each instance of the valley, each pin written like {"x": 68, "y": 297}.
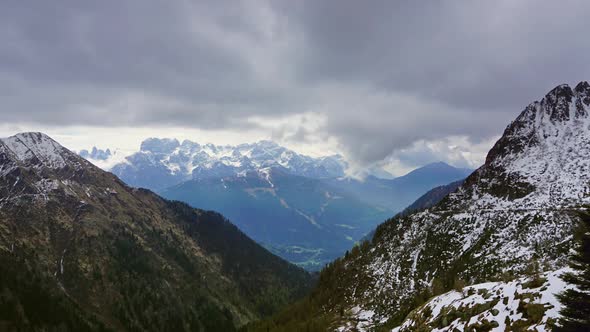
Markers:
{"x": 301, "y": 208}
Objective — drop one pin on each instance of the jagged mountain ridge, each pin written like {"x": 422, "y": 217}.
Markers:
{"x": 518, "y": 208}
{"x": 103, "y": 255}
{"x": 512, "y": 209}
{"x": 544, "y": 152}
{"x": 96, "y": 154}
{"x": 162, "y": 163}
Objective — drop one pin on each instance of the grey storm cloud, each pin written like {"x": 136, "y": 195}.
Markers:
{"x": 382, "y": 74}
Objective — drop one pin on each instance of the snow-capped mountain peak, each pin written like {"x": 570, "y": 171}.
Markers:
{"x": 159, "y": 145}
{"x": 96, "y": 154}
{"x": 562, "y": 110}
{"x": 164, "y": 162}
{"x": 36, "y": 149}
{"x": 34, "y": 166}
{"x": 543, "y": 156}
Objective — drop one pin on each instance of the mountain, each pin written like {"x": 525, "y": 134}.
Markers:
{"x": 301, "y": 219}
{"x": 104, "y": 159}
{"x": 162, "y": 163}
{"x": 397, "y": 193}
{"x": 432, "y": 197}
{"x": 511, "y": 217}
{"x": 94, "y": 153}
{"x": 80, "y": 250}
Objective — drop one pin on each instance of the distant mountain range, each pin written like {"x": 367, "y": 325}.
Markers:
{"x": 506, "y": 231}
{"x": 396, "y": 194}
{"x": 162, "y": 163}
{"x": 432, "y": 197}
{"x": 82, "y": 251}
{"x": 95, "y": 154}
{"x": 303, "y": 209}
{"x": 428, "y": 200}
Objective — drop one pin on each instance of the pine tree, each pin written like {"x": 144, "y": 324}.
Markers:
{"x": 576, "y": 302}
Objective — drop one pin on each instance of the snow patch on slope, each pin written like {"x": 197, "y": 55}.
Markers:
{"x": 493, "y": 303}
{"x": 29, "y": 146}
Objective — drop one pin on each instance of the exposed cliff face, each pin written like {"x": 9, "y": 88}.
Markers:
{"x": 544, "y": 152}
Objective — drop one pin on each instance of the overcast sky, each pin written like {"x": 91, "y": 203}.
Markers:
{"x": 397, "y": 83}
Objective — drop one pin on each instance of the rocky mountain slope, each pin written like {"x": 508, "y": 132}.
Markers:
{"x": 162, "y": 163}
{"x": 515, "y": 211}
{"x": 521, "y": 304}
{"x": 301, "y": 219}
{"x": 80, "y": 250}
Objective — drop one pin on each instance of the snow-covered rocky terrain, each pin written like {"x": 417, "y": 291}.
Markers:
{"x": 517, "y": 209}
{"x": 30, "y": 164}
{"x": 526, "y": 303}
{"x": 36, "y": 149}
{"x": 161, "y": 163}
